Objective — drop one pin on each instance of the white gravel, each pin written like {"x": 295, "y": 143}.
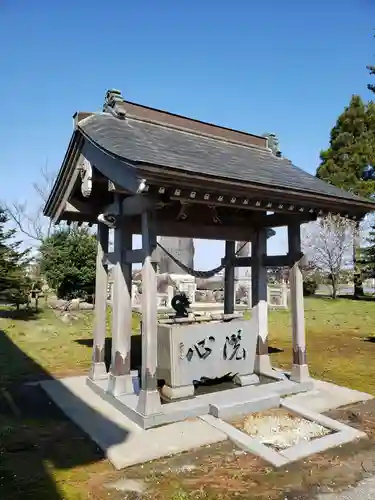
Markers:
{"x": 282, "y": 431}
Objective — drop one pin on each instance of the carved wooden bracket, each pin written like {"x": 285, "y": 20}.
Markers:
{"x": 109, "y": 219}
{"x": 182, "y": 214}
{"x": 86, "y": 178}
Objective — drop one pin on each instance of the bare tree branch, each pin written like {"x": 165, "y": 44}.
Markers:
{"x": 30, "y": 220}
{"x": 328, "y": 242}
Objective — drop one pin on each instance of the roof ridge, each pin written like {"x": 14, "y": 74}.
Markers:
{"x": 170, "y": 113}
{"x": 198, "y": 133}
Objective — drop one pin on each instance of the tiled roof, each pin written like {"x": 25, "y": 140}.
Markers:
{"x": 142, "y": 141}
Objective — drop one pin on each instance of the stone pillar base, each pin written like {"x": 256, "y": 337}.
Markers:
{"x": 185, "y": 391}
{"x": 263, "y": 367}
{"x": 149, "y": 403}
{"x": 262, "y": 363}
{"x": 120, "y": 384}
{"x": 98, "y": 371}
{"x": 300, "y": 373}
{"x": 249, "y": 379}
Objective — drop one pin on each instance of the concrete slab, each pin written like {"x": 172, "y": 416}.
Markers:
{"x": 237, "y": 408}
{"x": 122, "y": 440}
{"x": 197, "y": 406}
{"x": 325, "y": 396}
{"x": 305, "y": 449}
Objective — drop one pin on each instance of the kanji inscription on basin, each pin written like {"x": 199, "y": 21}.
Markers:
{"x": 190, "y": 352}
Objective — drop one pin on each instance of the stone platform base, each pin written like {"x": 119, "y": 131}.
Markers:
{"x": 231, "y": 401}
{"x": 125, "y": 443}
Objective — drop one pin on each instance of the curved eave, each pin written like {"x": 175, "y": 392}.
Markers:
{"x": 123, "y": 170}
{"x": 64, "y": 176}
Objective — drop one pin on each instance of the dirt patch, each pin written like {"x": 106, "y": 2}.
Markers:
{"x": 278, "y": 428}
{"x": 224, "y": 472}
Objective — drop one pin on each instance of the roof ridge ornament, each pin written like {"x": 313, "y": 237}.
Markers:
{"x": 112, "y": 101}
{"x": 273, "y": 143}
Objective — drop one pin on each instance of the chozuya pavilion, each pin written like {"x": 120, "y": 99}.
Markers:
{"x": 138, "y": 170}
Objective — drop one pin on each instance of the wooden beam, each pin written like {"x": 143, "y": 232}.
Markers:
{"x": 157, "y": 175}
{"x": 230, "y": 248}
{"x": 149, "y": 398}
{"x": 183, "y": 229}
{"x": 267, "y": 260}
{"x": 98, "y": 367}
{"x": 67, "y": 192}
{"x": 120, "y": 380}
{"x": 78, "y": 207}
{"x": 300, "y": 371}
{"x": 282, "y": 219}
{"x": 259, "y": 300}
{"x": 136, "y": 205}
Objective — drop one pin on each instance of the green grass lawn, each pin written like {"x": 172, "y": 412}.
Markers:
{"x": 44, "y": 456}
{"x": 339, "y": 346}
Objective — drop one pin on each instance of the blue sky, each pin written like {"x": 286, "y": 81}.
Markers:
{"x": 288, "y": 67}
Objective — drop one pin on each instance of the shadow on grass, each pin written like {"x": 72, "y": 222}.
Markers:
{"x": 364, "y": 298}
{"x": 34, "y": 432}
{"x": 135, "y": 350}
{"x": 20, "y": 315}
{"x": 274, "y": 350}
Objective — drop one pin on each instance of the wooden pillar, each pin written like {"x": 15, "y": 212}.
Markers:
{"x": 259, "y": 300}
{"x": 300, "y": 370}
{"x": 149, "y": 397}
{"x": 120, "y": 380}
{"x": 98, "y": 369}
{"x": 229, "y": 289}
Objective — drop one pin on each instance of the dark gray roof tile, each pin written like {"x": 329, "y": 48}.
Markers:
{"x": 141, "y": 141}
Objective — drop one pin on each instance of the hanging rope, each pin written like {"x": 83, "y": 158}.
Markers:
{"x": 193, "y": 272}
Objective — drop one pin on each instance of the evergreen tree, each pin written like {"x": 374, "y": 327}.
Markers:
{"x": 68, "y": 262}
{"x": 351, "y": 149}
{"x": 370, "y": 86}
{"x": 14, "y": 283}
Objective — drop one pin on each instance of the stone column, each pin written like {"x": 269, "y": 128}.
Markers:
{"x": 120, "y": 380}
{"x": 284, "y": 294}
{"x": 149, "y": 398}
{"x": 300, "y": 370}
{"x": 259, "y": 300}
{"x": 98, "y": 369}
{"x": 170, "y": 293}
{"x": 229, "y": 289}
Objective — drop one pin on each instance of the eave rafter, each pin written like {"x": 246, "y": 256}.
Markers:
{"x": 194, "y": 196}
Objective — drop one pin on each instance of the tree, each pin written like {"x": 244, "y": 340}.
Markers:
{"x": 327, "y": 242}
{"x": 14, "y": 282}
{"x": 371, "y": 69}
{"x": 351, "y": 149}
{"x": 30, "y": 220}
{"x": 68, "y": 262}
{"x": 368, "y": 255}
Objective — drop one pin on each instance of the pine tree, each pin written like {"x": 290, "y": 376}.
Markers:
{"x": 371, "y": 69}
{"x": 351, "y": 148}
{"x": 14, "y": 283}
{"x": 68, "y": 262}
